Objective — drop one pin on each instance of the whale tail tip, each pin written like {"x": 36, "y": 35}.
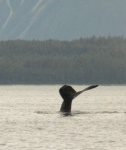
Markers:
{"x": 67, "y": 92}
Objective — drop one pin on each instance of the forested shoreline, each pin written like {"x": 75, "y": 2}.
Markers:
{"x": 83, "y": 61}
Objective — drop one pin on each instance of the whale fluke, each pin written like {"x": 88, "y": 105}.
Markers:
{"x": 68, "y": 94}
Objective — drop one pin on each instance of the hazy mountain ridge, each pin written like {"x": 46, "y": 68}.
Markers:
{"x": 20, "y": 16}
{"x": 84, "y": 61}
{"x": 61, "y": 19}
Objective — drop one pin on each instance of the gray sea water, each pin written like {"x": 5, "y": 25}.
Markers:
{"x": 30, "y": 119}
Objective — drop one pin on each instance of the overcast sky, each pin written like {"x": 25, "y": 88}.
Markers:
{"x": 98, "y": 17}
{"x": 61, "y": 19}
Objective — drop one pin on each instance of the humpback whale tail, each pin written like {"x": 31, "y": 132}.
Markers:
{"x": 68, "y": 94}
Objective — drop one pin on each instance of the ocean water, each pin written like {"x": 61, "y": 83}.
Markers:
{"x": 30, "y": 119}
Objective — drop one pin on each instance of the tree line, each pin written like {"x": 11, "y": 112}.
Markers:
{"x": 100, "y": 60}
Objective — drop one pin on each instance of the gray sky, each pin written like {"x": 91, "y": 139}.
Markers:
{"x": 61, "y": 19}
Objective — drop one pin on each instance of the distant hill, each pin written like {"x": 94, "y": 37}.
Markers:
{"x": 83, "y": 61}
{"x": 61, "y": 19}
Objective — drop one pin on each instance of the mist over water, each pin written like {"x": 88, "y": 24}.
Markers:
{"x": 30, "y": 119}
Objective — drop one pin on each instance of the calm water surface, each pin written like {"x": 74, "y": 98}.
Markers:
{"x": 30, "y": 119}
